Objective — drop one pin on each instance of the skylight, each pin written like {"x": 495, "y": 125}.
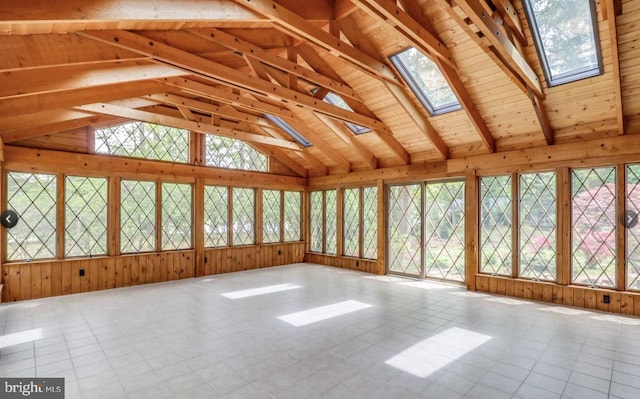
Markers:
{"x": 426, "y": 81}
{"x": 289, "y": 130}
{"x": 336, "y": 100}
{"x": 566, "y": 36}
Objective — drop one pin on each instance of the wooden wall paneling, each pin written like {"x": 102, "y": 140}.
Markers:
{"x": 156, "y": 260}
{"x": 567, "y": 296}
{"x": 536, "y": 292}
{"x": 614, "y": 306}
{"x": 11, "y": 291}
{"x": 35, "y": 277}
{"x": 162, "y": 268}
{"x": 110, "y": 264}
{"x": 169, "y": 268}
{"x": 579, "y": 297}
{"x": 56, "y": 278}
{"x": 198, "y": 225}
{"x": 627, "y": 304}
{"x": 590, "y": 299}
{"x": 93, "y": 274}
{"x": 66, "y": 271}
{"x": 510, "y": 289}
{"x": 636, "y": 305}
{"x": 135, "y": 270}
{"x": 547, "y": 293}
{"x": 493, "y": 286}
{"x": 519, "y": 289}
{"x": 527, "y": 290}
{"x": 103, "y": 273}
{"x": 189, "y": 261}
{"x": 557, "y": 294}
{"x": 126, "y": 271}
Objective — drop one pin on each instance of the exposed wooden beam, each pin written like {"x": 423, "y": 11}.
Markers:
{"x": 510, "y": 17}
{"x": 483, "y": 19}
{"x": 227, "y": 75}
{"x": 288, "y": 66}
{"x": 343, "y": 8}
{"x": 25, "y": 121}
{"x": 305, "y": 156}
{"x": 144, "y": 116}
{"x": 281, "y": 156}
{"x": 21, "y": 83}
{"x": 37, "y": 16}
{"x": 422, "y": 38}
{"x": 50, "y": 128}
{"x": 615, "y": 61}
{"x": 86, "y": 95}
{"x": 543, "y": 119}
{"x": 300, "y": 27}
{"x": 359, "y": 149}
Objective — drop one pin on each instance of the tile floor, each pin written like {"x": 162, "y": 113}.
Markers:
{"x": 308, "y": 331}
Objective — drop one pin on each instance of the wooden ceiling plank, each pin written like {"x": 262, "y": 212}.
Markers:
{"x": 288, "y": 66}
{"x": 226, "y": 75}
{"x": 24, "y": 121}
{"x": 134, "y": 114}
{"x": 21, "y": 83}
{"x": 615, "y": 60}
{"x": 36, "y": 16}
{"x": 305, "y": 156}
{"x": 284, "y": 158}
{"x": 480, "y": 17}
{"x": 409, "y": 27}
{"x": 302, "y": 28}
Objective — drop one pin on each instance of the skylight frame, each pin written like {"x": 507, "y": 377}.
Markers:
{"x": 412, "y": 81}
{"x": 303, "y": 141}
{"x": 333, "y": 99}
{"x": 576, "y": 74}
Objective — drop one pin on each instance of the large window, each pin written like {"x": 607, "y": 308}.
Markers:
{"x": 176, "y": 216}
{"x": 271, "y": 216}
{"x": 144, "y": 140}
{"x": 351, "y": 217}
{"x": 444, "y": 242}
{"x": 33, "y": 197}
{"x": 292, "y": 216}
{"x": 632, "y": 205}
{"x": 426, "y": 81}
{"x": 330, "y": 222}
{"x": 537, "y": 226}
{"x": 216, "y": 216}
{"x": 243, "y": 214}
{"x": 593, "y": 226}
{"x": 495, "y": 225}
{"x": 85, "y": 216}
{"x": 316, "y": 222}
{"x": 370, "y": 222}
{"x": 137, "y": 216}
{"x": 224, "y": 152}
{"x": 566, "y": 36}
{"x": 404, "y": 224}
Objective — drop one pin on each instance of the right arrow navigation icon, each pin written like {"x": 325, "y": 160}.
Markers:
{"x": 9, "y": 218}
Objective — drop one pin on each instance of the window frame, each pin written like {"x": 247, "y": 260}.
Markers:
{"x": 413, "y": 84}
{"x": 66, "y": 215}
{"x": 566, "y": 77}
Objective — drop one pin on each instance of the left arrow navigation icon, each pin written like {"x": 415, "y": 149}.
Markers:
{"x": 9, "y": 218}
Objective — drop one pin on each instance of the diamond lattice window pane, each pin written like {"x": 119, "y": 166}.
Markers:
{"x": 405, "y": 229}
{"x": 85, "y": 216}
{"x": 331, "y": 222}
{"x": 137, "y": 216}
{"x": 537, "y": 226}
{"x": 495, "y": 225}
{"x": 176, "y": 216}
{"x": 593, "y": 226}
{"x": 224, "y": 152}
{"x": 144, "y": 140}
{"x": 33, "y": 198}
{"x": 370, "y": 223}
{"x": 292, "y": 216}
{"x": 271, "y": 216}
{"x": 351, "y": 216}
{"x": 444, "y": 228}
{"x": 216, "y": 216}
{"x": 243, "y": 213}
{"x": 633, "y": 233}
{"x": 316, "y": 221}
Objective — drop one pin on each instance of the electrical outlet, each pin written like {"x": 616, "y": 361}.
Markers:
{"x": 81, "y": 272}
{"x": 357, "y": 264}
{"x": 606, "y": 299}
{"x": 279, "y": 252}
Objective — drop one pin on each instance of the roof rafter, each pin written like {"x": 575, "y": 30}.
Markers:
{"x": 35, "y": 16}
{"x": 226, "y": 75}
{"x": 360, "y": 149}
{"x": 288, "y": 66}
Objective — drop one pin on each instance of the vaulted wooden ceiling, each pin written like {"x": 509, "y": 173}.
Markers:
{"x": 218, "y": 66}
